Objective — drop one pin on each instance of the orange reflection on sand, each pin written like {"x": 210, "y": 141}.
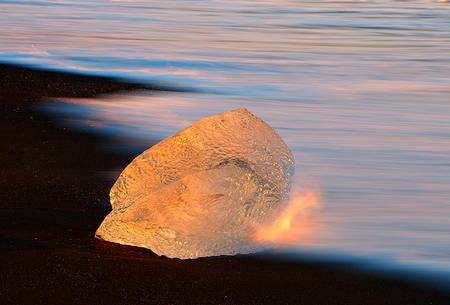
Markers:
{"x": 292, "y": 224}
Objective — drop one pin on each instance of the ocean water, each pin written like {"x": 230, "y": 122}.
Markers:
{"x": 360, "y": 91}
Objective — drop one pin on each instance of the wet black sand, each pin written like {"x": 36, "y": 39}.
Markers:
{"x": 52, "y": 200}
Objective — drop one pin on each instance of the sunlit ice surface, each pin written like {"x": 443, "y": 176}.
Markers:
{"x": 358, "y": 89}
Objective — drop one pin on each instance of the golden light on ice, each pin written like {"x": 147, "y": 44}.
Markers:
{"x": 291, "y": 224}
{"x": 200, "y": 192}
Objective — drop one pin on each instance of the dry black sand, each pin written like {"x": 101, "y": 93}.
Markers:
{"x": 52, "y": 200}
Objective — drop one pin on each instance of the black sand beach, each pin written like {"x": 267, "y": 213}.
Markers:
{"x": 53, "y": 199}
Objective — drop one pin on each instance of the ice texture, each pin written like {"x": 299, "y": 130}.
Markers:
{"x": 202, "y": 191}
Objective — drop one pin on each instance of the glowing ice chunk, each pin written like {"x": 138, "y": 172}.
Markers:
{"x": 202, "y": 191}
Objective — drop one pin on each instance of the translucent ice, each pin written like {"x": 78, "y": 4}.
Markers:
{"x": 202, "y": 191}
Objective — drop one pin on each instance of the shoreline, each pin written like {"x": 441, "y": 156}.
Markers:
{"x": 54, "y": 201}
